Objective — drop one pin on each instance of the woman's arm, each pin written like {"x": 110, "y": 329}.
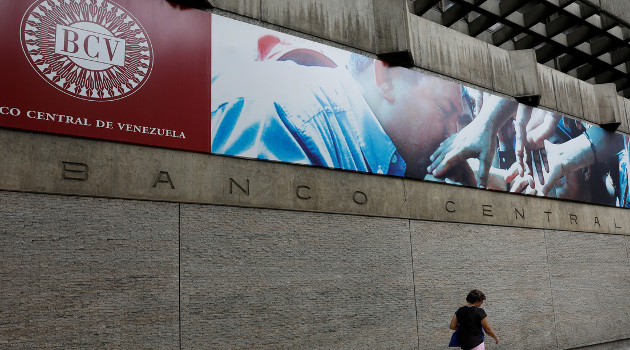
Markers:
{"x": 454, "y": 323}
{"x": 489, "y": 331}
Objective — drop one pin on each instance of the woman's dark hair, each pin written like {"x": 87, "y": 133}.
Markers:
{"x": 474, "y": 296}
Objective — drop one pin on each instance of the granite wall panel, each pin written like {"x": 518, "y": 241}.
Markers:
{"x": 508, "y": 264}
{"x": 264, "y": 279}
{"x": 87, "y": 273}
{"x": 590, "y": 279}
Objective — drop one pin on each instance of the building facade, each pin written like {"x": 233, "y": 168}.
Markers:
{"x": 136, "y": 213}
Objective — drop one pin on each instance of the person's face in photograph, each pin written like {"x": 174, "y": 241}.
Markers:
{"x": 424, "y": 111}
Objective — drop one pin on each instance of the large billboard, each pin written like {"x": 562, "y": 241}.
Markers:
{"x": 133, "y": 71}
{"x": 283, "y": 98}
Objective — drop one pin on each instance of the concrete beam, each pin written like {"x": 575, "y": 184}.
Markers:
{"x": 619, "y": 9}
{"x": 247, "y": 8}
{"x": 608, "y": 106}
{"x": 589, "y": 102}
{"x": 595, "y": 3}
{"x": 449, "y": 52}
{"x": 547, "y": 88}
{"x": 527, "y": 80}
{"x": 503, "y": 77}
{"x": 376, "y": 26}
{"x": 344, "y": 22}
{"x": 559, "y": 25}
{"x": 535, "y": 15}
{"x": 491, "y": 12}
{"x": 392, "y": 31}
{"x": 567, "y": 91}
{"x": 420, "y": 7}
{"x": 625, "y": 126}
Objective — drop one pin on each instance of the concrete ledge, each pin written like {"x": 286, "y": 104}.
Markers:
{"x": 567, "y": 89}
{"x": 247, "y": 8}
{"x": 376, "y": 26}
{"x": 63, "y": 165}
{"x": 443, "y": 50}
{"x": 344, "y": 22}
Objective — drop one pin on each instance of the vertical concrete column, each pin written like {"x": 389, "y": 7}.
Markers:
{"x": 608, "y": 106}
{"x": 527, "y": 80}
{"x": 392, "y": 31}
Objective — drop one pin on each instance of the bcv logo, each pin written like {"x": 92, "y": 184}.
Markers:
{"x": 86, "y": 41}
{"x": 99, "y": 50}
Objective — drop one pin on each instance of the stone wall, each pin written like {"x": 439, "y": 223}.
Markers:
{"x": 82, "y": 272}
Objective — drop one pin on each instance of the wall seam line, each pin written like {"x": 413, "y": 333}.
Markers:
{"x": 553, "y": 305}
{"x": 413, "y": 280}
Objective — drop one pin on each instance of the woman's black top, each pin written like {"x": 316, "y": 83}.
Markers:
{"x": 469, "y": 332}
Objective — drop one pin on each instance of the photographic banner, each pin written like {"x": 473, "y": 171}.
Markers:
{"x": 283, "y": 98}
{"x": 133, "y": 71}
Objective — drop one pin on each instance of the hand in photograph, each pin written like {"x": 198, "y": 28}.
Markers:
{"x": 497, "y": 178}
{"x": 593, "y": 146}
{"x": 532, "y": 127}
{"x": 461, "y": 174}
{"x": 519, "y": 183}
{"x": 477, "y": 139}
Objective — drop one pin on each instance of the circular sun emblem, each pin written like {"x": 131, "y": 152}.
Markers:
{"x": 90, "y": 49}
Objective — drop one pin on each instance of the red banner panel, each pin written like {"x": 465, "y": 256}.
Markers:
{"x": 133, "y": 71}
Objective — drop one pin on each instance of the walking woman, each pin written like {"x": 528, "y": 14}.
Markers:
{"x": 469, "y": 320}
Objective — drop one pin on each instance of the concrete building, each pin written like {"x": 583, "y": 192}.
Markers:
{"x": 117, "y": 245}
